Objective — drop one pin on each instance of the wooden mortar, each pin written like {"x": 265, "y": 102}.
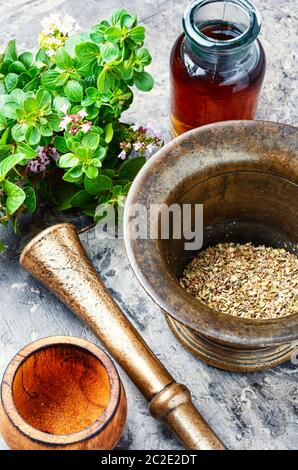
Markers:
{"x": 245, "y": 173}
{"x": 62, "y": 393}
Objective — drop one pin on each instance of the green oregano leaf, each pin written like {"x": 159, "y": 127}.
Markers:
{"x": 30, "y": 105}
{"x": 100, "y": 184}
{"x": 117, "y": 15}
{"x": 32, "y": 135}
{"x": 109, "y": 52}
{"x": 28, "y": 151}
{"x": 30, "y": 201}
{"x": 61, "y": 80}
{"x": 137, "y": 34}
{"x": 80, "y": 199}
{"x": 43, "y": 57}
{"x": 87, "y": 51}
{"x": 105, "y": 81}
{"x": 69, "y": 160}
{"x": 60, "y": 144}
{"x": 9, "y": 163}
{"x": 15, "y": 197}
{"x": 91, "y": 140}
{"x": 18, "y": 96}
{"x": 54, "y": 121}
{"x": 113, "y": 34}
{"x": 26, "y": 58}
{"x": 131, "y": 168}
{"x": 63, "y": 59}
{"x": 74, "y": 91}
{"x": 109, "y": 133}
{"x": 11, "y": 52}
{"x": 18, "y": 132}
{"x": 144, "y": 81}
{"x": 45, "y": 129}
{"x": 4, "y": 137}
{"x": 144, "y": 57}
{"x": 17, "y": 67}
{"x": 3, "y": 122}
{"x": 11, "y": 81}
{"x": 91, "y": 171}
{"x": 48, "y": 80}
{"x": 43, "y": 98}
{"x": 76, "y": 172}
{"x": 9, "y": 109}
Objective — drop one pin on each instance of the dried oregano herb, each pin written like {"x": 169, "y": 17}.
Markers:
{"x": 244, "y": 280}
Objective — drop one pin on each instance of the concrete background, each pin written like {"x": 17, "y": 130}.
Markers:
{"x": 248, "y": 411}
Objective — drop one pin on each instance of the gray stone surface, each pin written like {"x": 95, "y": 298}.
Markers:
{"x": 248, "y": 411}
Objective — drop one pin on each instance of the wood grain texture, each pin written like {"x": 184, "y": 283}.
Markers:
{"x": 61, "y": 390}
{"x": 248, "y": 411}
{"x": 62, "y": 393}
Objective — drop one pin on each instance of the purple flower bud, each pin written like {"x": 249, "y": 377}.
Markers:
{"x": 41, "y": 152}
{"x": 42, "y": 167}
{"x": 33, "y": 165}
{"x": 45, "y": 156}
{"x": 74, "y": 130}
{"x": 53, "y": 153}
{"x": 157, "y": 135}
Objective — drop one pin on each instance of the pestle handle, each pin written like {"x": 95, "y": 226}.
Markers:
{"x": 57, "y": 259}
{"x": 173, "y": 405}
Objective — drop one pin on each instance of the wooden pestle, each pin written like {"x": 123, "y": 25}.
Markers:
{"x": 57, "y": 259}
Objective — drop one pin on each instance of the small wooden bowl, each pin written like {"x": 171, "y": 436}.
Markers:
{"x": 62, "y": 393}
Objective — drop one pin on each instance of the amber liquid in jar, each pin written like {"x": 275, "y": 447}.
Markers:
{"x": 225, "y": 88}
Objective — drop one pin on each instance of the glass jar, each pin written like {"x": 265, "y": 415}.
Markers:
{"x": 217, "y": 64}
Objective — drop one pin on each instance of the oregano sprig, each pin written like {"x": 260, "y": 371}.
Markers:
{"x": 61, "y": 138}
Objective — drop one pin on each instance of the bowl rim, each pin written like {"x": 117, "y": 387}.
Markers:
{"x": 35, "y": 434}
{"x": 229, "y": 330}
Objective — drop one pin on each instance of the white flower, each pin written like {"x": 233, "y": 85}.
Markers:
{"x": 138, "y": 146}
{"x": 86, "y": 127}
{"x": 81, "y": 114}
{"x": 136, "y": 127}
{"x": 151, "y": 129}
{"x": 48, "y": 23}
{"x": 64, "y": 122}
{"x": 56, "y": 31}
{"x": 66, "y": 24}
{"x": 55, "y": 41}
{"x": 122, "y": 155}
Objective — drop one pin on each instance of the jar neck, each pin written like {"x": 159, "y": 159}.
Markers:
{"x": 223, "y": 62}
{"x": 221, "y": 33}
